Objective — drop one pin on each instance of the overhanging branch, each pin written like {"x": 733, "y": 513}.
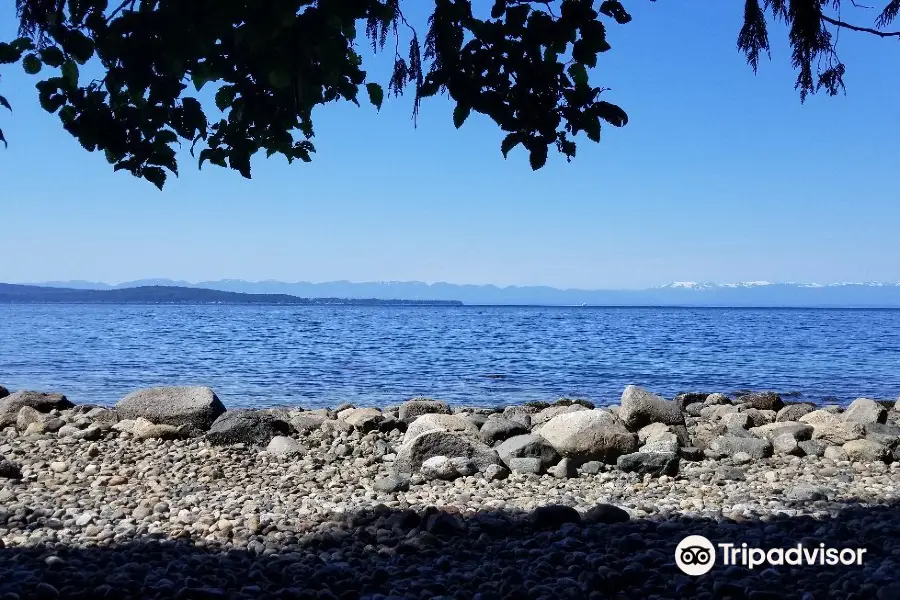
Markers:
{"x": 838, "y": 23}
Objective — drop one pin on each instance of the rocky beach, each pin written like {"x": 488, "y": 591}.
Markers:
{"x": 168, "y": 494}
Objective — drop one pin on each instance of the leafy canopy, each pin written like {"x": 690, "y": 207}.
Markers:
{"x": 524, "y": 64}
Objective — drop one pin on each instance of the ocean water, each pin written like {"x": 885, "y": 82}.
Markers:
{"x": 485, "y": 356}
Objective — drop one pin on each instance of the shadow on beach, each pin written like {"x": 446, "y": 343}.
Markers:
{"x": 380, "y": 552}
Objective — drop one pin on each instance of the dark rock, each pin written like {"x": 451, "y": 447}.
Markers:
{"x": 442, "y": 523}
{"x": 653, "y": 463}
{"x": 812, "y": 447}
{"x": 3, "y": 392}
{"x": 528, "y": 446}
{"x": 605, "y": 513}
{"x": 691, "y": 453}
{"x": 194, "y": 407}
{"x": 793, "y": 411}
{"x": 498, "y": 428}
{"x": 554, "y": 516}
{"x": 640, "y": 407}
{"x": 762, "y": 401}
{"x": 40, "y": 401}
{"x": 9, "y": 470}
{"x": 252, "y": 427}
{"x": 443, "y": 443}
{"x": 688, "y": 398}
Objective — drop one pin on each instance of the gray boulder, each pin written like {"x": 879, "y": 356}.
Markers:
{"x": 759, "y": 417}
{"x": 27, "y": 416}
{"x": 439, "y": 422}
{"x": 439, "y": 467}
{"x": 705, "y": 433}
{"x": 364, "y": 419}
{"x": 390, "y": 483}
{"x": 194, "y": 407}
{"x": 799, "y": 431}
{"x": 838, "y": 434}
{"x": 640, "y": 407}
{"x": 413, "y": 409}
{"x": 145, "y": 430}
{"x": 548, "y": 413}
{"x": 589, "y": 435}
{"x": 252, "y": 427}
{"x": 520, "y": 413}
{"x": 793, "y": 412}
{"x": 652, "y": 463}
{"x": 866, "y": 451}
{"x": 431, "y": 443}
{"x": 693, "y": 410}
{"x": 716, "y": 399}
{"x": 306, "y": 422}
{"x": 40, "y": 401}
{"x": 528, "y": 446}
{"x": 812, "y": 447}
{"x": 498, "y": 428}
{"x": 730, "y": 445}
{"x": 787, "y": 444}
{"x": 762, "y": 401}
{"x": 865, "y": 410}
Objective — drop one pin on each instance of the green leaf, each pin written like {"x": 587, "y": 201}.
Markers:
{"x": 155, "y": 175}
{"x": 5, "y": 103}
{"x": 509, "y": 142}
{"x": 538, "y": 156}
{"x": 225, "y": 96}
{"x": 579, "y": 74}
{"x": 166, "y": 137}
{"x": 32, "y": 64}
{"x": 80, "y": 46}
{"x": 52, "y": 56}
{"x": 460, "y": 114}
{"x": 70, "y": 73}
{"x": 376, "y": 94}
{"x": 9, "y": 54}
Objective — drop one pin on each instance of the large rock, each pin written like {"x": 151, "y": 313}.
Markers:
{"x": 793, "y": 412}
{"x": 443, "y": 443}
{"x": 652, "y": 463}
{"x": 282, "y": 445}
{"x": 866, "y": 451}
{"x": 551, "y": 411}
{"x": 865, "y": 411}
{"x": 589, "y": 435}
{"x": 685, "y": 399}
{"x": 194, "y": 407}
{"x": 246, "y": 427}
{"x": 40, "y": 401}
{"x": 762, "y": 401}
{"x": 3, "y": 392}
{"x": 640, "y": 407}
{"x": 364, "y": 419}
{"x": 520, "y": 414}
{"x": 439, "y": 422}
{"x": 498, "y": 428}
{"x": 731, "y": 445}
{"x": 528, "y": 446}
{"x": 306, "y": 422}
{"x": 838, "y": 434}
{"x": 705, "y": 432}
{"x": 413, "y": 409}
{"x": 799, "y": 431}
{"x": 28, "y": 416}
{"x": 821, "y": 416}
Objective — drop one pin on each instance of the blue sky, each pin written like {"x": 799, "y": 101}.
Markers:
{"x": 720, "y": 176}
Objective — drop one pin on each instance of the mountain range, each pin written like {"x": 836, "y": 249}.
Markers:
{"x": 743, "y": 294}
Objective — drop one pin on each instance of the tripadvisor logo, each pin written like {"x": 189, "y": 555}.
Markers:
{"x": 696, "y": 555}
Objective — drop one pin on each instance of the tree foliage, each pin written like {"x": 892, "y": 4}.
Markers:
{"x": 524, "y": 64}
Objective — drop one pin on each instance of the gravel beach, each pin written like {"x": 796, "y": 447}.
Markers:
{"x": 170, "y": 495}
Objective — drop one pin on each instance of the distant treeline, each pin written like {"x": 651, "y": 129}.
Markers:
{"x": 33, "y": 294}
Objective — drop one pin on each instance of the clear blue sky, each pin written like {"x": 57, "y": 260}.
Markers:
{"x": 720, "y": 176}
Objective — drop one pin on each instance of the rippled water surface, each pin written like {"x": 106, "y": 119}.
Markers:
{"x": 315, "y": 356}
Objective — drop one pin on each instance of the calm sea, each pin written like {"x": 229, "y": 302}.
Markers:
{"x": 323, "y": 356}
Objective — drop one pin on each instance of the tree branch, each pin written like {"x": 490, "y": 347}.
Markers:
{"x": 838, "y": 23}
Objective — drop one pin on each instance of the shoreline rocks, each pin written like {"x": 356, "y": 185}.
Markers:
{"x": 287, "y": 482}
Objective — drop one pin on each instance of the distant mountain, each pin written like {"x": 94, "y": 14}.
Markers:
{"x": 751, "y": 293}
{"x": 159, "y": 294}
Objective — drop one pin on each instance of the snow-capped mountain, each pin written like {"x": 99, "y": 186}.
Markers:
{"x": 681, "y": 293}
